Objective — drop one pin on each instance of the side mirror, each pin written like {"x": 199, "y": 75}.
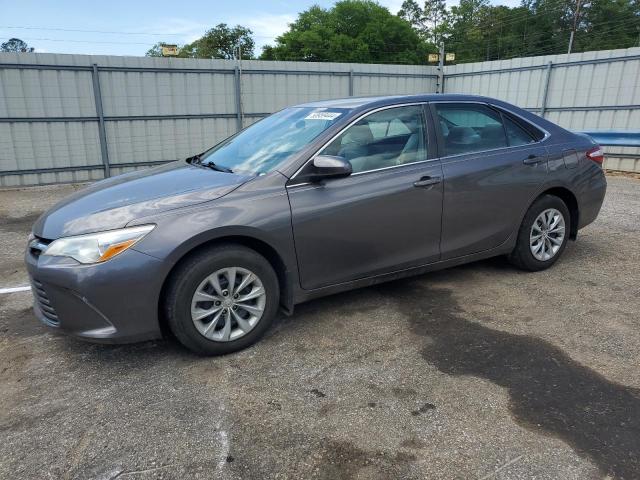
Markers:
{"x": 328, "y": 166}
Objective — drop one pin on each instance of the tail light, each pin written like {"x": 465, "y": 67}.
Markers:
{"x": 596, "y": 154}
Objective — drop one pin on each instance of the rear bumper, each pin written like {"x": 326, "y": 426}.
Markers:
{"x": 111, "y": 302}
{"x": 591, "y": 199}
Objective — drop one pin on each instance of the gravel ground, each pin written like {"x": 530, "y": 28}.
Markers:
{"x": 476, "y": 372}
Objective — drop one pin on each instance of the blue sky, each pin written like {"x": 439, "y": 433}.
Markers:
{"x": 117, "y": 27}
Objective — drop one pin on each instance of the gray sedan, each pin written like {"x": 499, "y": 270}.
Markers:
{"x": 312, "y": 200}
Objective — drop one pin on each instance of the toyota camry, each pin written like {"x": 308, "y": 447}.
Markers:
{"x": 315, "y": 199}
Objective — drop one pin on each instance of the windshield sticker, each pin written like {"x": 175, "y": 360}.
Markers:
{"x": 322, "y": 116}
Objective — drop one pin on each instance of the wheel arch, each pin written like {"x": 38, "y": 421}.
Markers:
{"x": 246, "y": 239}
{"x": 567, "y": 196}
{"x": 571, "y": 201}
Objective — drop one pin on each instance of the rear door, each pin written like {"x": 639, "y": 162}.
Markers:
{"x": 492, "y": 164}
{"x": 382, "y": 218}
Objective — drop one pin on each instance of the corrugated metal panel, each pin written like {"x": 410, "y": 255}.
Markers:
{"x": 376, "y": 85}
{"x": 142, "y": 87}
{"x": 264, "y": 92}
{"x": 156, "y": 140}
{"x": 50, "y": 178}
{"x": 158, "y": 93}
{"x": 571, "y": 84}
{"x": 622, "y": 164}
{"x": 590, "y": 86}
{"x": 45, "y": 93}
{"x": 26, "y": 146}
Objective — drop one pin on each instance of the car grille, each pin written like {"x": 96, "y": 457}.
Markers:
{"x": 44, "y": 303}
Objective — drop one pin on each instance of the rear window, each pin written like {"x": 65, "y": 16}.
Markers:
{"x": 516, "y": 135}
{"x": 475, "y": 127}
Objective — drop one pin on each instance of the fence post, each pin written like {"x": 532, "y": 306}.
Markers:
{"x": 351, "y": 83}
{"x": 545, "y": 93}
{"x": 238, "y": 94}
{"x": 102, "y": 131}
{"x": 440, "y": 84}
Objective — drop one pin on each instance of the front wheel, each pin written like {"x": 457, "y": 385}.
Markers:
{"x": 222, "y": 299}
{"x": 543, "y": 234}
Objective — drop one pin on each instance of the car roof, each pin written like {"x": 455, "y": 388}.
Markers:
{"x": 359, "y": 102}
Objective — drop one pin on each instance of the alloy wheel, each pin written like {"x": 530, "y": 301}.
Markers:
{"x": 547, "y": 234}
{"x": 228, "y": 304}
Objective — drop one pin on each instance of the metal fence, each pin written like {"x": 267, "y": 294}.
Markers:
{"x": 72, "y": 118}
{"x": 590, "y": 91}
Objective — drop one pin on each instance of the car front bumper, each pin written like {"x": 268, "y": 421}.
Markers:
{"x": 111, "y": 302}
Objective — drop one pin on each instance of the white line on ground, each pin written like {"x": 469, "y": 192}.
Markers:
{"x": 510, "y": 462}
{"x": 15, "y": 289}
{"x": 224, "y": 450}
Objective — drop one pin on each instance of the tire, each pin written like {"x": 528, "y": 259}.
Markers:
{"x": 522, "y": 255}
{"x": 182, "y": 308}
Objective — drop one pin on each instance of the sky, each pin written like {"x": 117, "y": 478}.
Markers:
{"x": 118, "y": 27}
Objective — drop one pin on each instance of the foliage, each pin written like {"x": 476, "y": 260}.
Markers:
{"x": 351, "y": 31}
{"x": 156, "y": 50}
{"x": 362, "y": 31}
{"x": 430, "y": 20}
{"x": 609, "y": 24}
{"x": 475, "y": 30}
{"x": 221, "y": 41}
{"x": 15, "y": 45}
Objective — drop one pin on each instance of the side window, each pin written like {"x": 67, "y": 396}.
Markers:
{"x": 516, "y": 134}
{"x": 469, "y": 128}
{"x": 393, "y": 136}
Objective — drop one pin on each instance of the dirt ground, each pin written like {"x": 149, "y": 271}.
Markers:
{"x": 476, "y": 372}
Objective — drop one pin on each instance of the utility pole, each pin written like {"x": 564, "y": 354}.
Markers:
{"x": 576, "y": 16}
{"x": 440, "y": 85}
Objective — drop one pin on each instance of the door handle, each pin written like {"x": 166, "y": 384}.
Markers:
{"x": 533, "y": 159}
{"x": 427, "y": 181}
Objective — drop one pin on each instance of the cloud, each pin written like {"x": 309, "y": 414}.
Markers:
{"x": 178, "y": 30}
{"x": 266, "y": 26}
{"x": 392, "y": 5}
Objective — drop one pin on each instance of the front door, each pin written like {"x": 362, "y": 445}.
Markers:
{"x": 385, "y": 216}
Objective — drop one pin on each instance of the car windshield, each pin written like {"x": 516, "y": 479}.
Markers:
{"x": 266, "y": 144}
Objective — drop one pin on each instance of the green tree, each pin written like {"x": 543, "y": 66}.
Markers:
{"x": 475, "y": 30}
{"x": 221, "y": 41}
{"x": 15, "y": 45}
{"x": 609, "y": 24}
{"x": 351, "y": 31}
{"x": 412, "y": 13}
{"x": 467, "y": 37}
{"x": 431, "y": 20}
{"x": 156, "y": 50}
{"x": 550, "y": 25}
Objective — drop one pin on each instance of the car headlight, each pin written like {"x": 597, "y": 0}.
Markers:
{"x": 97, "y": 247}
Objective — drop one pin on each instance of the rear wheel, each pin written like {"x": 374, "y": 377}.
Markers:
{"x": 543, "y": 234}
{"x": 222, "y": 299}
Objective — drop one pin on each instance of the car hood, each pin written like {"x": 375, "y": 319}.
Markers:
{"x": 114, "y": 202}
